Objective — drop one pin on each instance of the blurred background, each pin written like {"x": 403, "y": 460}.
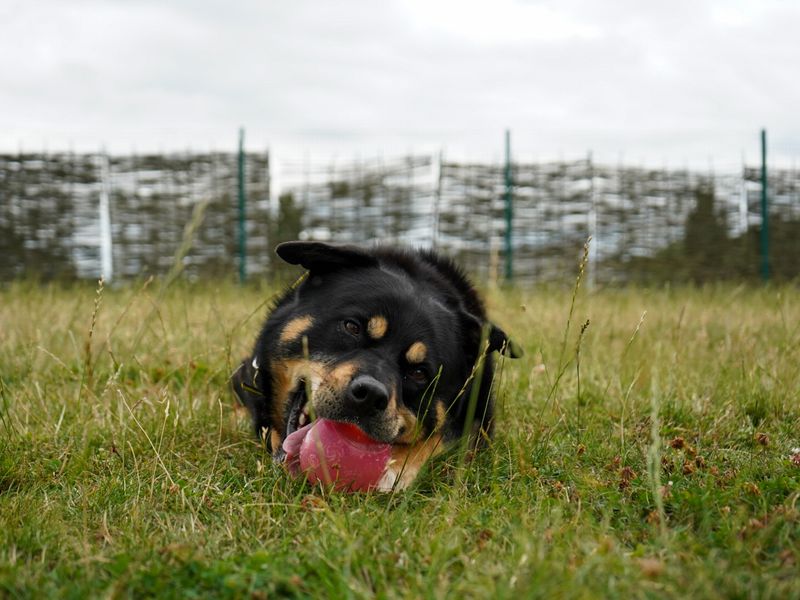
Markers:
{"x": 136, "y": 135}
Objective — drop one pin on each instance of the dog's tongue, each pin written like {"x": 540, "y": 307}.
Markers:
{"x": 291, "y": 445}
{"x": 337, "y": 453}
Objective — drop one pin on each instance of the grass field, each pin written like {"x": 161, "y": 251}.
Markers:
{"x": 653, "y": 455}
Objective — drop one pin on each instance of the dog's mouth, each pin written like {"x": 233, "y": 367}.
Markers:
{"x": 299, "y": 413}
{"x": 336, "y": 440}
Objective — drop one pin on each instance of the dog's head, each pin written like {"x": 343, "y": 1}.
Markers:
{"x": 384, "y": 339}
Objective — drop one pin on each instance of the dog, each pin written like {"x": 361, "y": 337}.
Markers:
{"x": 394, "y": 341}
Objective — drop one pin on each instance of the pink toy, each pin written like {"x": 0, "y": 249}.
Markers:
{"x": 337, "y": 453}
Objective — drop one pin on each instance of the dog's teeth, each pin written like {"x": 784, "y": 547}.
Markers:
{"x": 303, "y": 419}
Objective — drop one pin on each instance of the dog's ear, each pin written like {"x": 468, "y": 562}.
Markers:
{"x": 320, "y": 257}
{"x": 498, "y": 340}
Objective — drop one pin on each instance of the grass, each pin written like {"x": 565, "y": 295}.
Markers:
{"x": 650, "y": 453}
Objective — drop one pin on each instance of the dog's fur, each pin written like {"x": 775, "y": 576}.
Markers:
{"x": 383, "y": 338}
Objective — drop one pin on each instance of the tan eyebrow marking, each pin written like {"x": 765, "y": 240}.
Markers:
{"x": 377, "y": 326}
{"x": 295, "y": 328}
{"x": 416, "y": 353}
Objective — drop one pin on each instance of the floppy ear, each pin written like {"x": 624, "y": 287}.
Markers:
{"x": 498, "y": 340}
{"x": 320, "y": 257}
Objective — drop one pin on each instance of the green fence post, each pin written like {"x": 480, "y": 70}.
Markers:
{"x": 764, "y": 210}
{"x": 509, "y": 211}
{"x": 242, "y": 228}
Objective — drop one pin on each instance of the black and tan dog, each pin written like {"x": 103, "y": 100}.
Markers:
{"x": 382, "y": 338}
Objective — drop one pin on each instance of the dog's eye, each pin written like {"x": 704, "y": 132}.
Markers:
{"x": 417, "y": 375}
{"x": 352, "y": 327}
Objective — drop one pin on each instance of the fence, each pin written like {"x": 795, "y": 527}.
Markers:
{"x": 647, "y": 225}
{"x": 50, "y": 224}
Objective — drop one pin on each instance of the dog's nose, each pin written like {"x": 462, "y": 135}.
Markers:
{"x": 366, "y": 396}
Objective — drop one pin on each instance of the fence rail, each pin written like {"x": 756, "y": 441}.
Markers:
{"x": 647, "y": 224}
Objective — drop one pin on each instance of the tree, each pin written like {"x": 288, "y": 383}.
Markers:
{"x": 705, "y": 238}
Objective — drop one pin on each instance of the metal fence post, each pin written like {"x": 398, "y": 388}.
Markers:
{"x": 106, "y": 242}
{"x": 242, "y": 224}
{"x": 437, "y": 163}
{"x": 509, "y": 211}
{"x": 764, "y": 210}
{"x": 592, "y": 224}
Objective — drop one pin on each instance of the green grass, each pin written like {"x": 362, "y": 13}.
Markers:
{"x": 661, "y": 467}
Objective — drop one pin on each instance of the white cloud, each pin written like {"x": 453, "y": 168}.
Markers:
{"x": 499, "y": 22}
{"x": 677, "y": 82}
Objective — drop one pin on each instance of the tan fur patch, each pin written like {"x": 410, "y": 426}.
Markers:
{"x": 407, "y": 461}
{"x": 275, "y": 440}
{"x": 416, "y": 353}
{"x": 285, "y": 376}
{"x": 295, "y": 328}
{"x": 377, "y": 326}
{"x": 340, "y": 376}
{"x": 407, "y": 421}
{"x": 331, "y": 383}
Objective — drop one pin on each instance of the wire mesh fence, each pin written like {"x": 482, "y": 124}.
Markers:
{"x": 650, "y": 225}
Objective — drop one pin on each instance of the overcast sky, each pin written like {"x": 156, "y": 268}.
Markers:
{"x": 673, "y": 83}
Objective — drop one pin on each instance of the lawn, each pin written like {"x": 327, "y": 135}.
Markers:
{"x": 650, "y": 453}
